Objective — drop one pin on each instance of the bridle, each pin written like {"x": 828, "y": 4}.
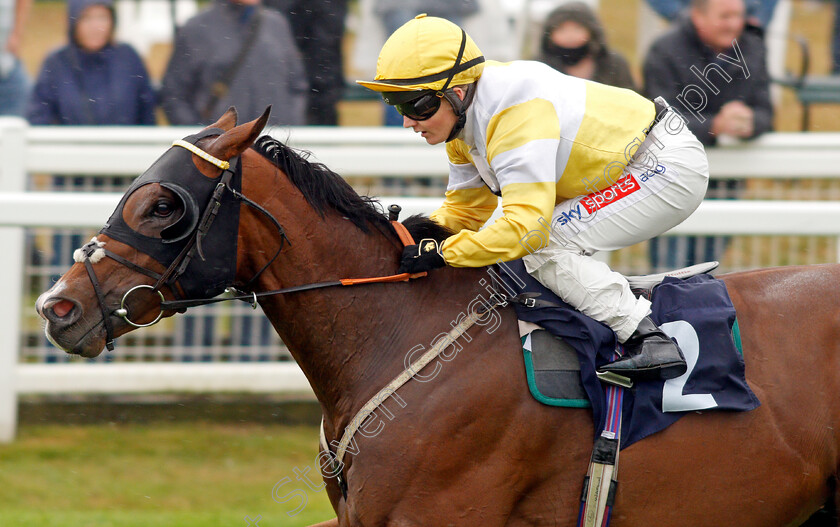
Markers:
{"x": 191, "y": 240}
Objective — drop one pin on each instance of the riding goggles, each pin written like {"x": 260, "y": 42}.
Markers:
{"x": 417, "y": 108}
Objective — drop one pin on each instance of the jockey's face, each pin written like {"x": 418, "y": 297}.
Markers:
{"x": 436, "y": 128}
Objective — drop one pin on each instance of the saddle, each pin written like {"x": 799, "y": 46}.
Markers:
{"x": 691, "y": 306}
{"x": 643, "y": 285}
{"x": 561, "y": 348}
{"x": 552, "y": 366}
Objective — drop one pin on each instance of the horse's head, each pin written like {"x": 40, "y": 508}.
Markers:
{"x": 173, "y": 235}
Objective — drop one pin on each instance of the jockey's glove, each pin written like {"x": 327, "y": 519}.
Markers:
{"x": 424, "y": 256}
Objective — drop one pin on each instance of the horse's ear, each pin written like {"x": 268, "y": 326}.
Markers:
{"x": 235, "y": 141}
{"x": 227, "y": 120}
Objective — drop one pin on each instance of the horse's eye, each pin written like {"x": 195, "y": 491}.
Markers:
{"x": 163, "y": 209}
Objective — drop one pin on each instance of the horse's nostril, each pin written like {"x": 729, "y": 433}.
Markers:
{"x": 62, "y": 308}
{"x": 60, "y": 311}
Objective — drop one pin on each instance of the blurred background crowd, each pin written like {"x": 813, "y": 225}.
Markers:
{"x": 182, "y": 62}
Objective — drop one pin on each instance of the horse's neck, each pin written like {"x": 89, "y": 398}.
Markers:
{"x": 351, "y": 341}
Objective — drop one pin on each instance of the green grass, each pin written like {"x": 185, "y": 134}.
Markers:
{"x": 162, "y": 474}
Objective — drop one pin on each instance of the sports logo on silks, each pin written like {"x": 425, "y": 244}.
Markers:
{"x": 584, "y": 208}
{"x": 620, "y": 189}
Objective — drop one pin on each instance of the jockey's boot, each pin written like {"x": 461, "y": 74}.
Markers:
{"x": 649, "y": 355}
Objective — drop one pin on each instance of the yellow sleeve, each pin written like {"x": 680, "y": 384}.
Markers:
{"x": 508, "y": 237}
{"x": 466, "y": 208}
{"x": 522, "y": 142}
{"x": 469, "y": 202}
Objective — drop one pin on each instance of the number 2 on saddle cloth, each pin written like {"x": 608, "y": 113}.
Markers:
{"x": 697, "y": 312}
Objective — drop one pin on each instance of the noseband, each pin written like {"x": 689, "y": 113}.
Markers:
{"x": 177, "y": 253}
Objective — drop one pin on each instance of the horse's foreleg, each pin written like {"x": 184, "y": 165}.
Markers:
{"x": 329, "y": 523}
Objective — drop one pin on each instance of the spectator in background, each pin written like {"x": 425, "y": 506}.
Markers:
{"x": 758, "y": 12}
{"x": 574, "y": 43}
{"x": 395, "y": 13}
{"x": 709, "y": 54}
{"x": 715, "y": 74}
{"x": 92, "y": 80}
{"x": 235, "y": 53}
{"x": 14, "y": 83}
{"x": 318, "y": 27}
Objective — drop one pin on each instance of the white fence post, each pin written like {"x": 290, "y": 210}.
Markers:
{"x": 12, "y": 179}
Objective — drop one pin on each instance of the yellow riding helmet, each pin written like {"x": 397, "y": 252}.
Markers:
{"x": 426, "y": 53}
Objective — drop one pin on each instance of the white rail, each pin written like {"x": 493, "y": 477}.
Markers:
{"x": 348, "y": 151}
{"x": 373, "y": 151}
{"x": 145, "y": 377}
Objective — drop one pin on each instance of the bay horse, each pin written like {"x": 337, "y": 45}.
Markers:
{"x": 467, "y": 445}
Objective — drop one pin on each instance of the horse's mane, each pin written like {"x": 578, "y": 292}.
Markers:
{"x": 422, "y": 227}
{"x": 322, "y": 188}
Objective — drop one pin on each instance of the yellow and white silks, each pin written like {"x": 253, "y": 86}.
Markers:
{"x": 566, "y": 156}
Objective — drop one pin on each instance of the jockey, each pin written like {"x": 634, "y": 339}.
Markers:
{"x": 581, "y": 167}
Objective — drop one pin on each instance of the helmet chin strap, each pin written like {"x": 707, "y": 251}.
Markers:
{"x": 460, "y": 107}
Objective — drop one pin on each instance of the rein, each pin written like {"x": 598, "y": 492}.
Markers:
{"x": 403, "y": 233}
{"x": 94, "y": 251}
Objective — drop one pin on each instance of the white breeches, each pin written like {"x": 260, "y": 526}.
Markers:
{"x": 662, "y": 185}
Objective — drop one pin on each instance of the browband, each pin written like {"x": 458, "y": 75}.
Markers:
{"x": 224, "y": 165}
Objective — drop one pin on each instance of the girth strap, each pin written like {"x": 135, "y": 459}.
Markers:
{"x": 601, "y": 482}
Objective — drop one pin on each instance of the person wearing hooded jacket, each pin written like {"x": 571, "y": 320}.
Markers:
{"x": 574, "y": 42}
{"x": 92, "y": 80}
{"x": 580, "y": 167}
{"x": 207, "y": 47}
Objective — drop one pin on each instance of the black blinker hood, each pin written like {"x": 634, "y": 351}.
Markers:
{"x": 176, "y": 171}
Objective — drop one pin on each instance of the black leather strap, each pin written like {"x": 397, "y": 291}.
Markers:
{"x": 106, "y": 316}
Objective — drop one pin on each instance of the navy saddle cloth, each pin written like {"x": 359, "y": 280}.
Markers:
{"x": 697, "y": 312}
